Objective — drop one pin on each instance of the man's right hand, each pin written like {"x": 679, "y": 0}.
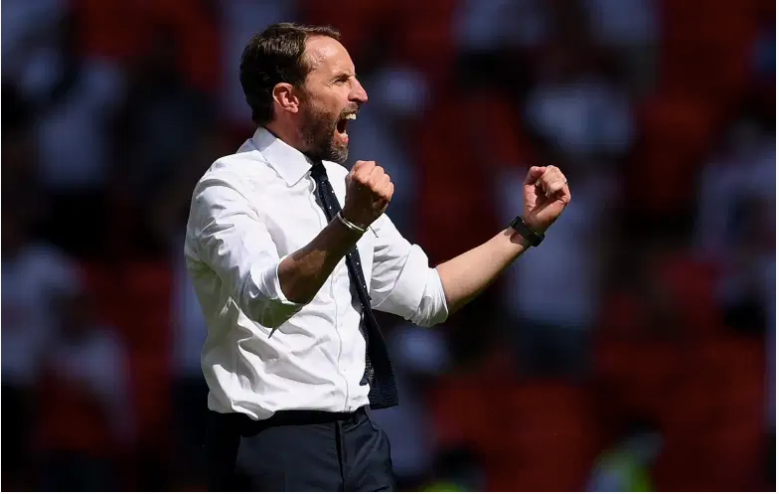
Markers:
{"x": 368, "y": 193}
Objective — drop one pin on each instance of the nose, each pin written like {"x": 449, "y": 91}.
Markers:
{"x": 358, "y": 94}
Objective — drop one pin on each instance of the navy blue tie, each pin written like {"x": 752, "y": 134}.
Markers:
{"x": 378, "y": 366}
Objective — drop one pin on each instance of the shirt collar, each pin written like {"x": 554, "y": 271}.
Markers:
{"x": 287, "y": 161}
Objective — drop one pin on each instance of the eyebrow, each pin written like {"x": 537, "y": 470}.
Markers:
{"x": 346, "y": 74}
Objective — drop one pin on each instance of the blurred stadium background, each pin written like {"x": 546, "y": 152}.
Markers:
{"x": 635, "y": 350}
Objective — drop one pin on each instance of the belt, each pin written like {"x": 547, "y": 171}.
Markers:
{"x": 247, "y": 426}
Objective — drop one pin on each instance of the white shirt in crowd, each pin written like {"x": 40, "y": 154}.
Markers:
{"x": 249, "y": 212}
{"x": 34, "y": 279}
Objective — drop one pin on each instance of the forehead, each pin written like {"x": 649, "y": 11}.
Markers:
{"x": 327, "y": 56}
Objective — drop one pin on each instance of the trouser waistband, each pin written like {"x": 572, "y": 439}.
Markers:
{"x": 286, "y": 417}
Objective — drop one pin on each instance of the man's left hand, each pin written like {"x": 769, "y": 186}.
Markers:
{"x": 546, "y": 196}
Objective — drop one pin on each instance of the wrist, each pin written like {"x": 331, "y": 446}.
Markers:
{"x": 350, "y": 216}
{"x": 342, "y": 238}
{"x": 530, "y": 233}
{"x": 349, "y": 224}
{"x": 516, "y": 238}
{"x": 533, "y": 226}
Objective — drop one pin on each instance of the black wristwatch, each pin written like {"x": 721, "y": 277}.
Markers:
{"x": 519, "y": 225}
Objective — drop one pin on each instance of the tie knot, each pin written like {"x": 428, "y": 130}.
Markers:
{"x": 318, "y": 172}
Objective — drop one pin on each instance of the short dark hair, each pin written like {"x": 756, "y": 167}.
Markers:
{"x": 273, "y": 56}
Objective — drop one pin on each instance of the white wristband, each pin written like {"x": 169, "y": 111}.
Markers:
{"x": 349, "y": 224}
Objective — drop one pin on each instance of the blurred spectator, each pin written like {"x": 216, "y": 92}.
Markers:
{"x": 36, "y": 278}
{"x": 630, "y": 30}
{"x": 86, "y": 424}
{"x": 75, "y": 108}
{"x": 578, "y": 110}
{"x": 736, "y": 227}
{"x": 69, "y": 100}
{"x": 30, "y": 39}
{"x": 161, "y": 118}
{"x": 497, "y": 25}
{"x": 741, "y": 170}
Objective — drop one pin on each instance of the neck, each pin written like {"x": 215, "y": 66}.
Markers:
{"x": 288, "y": 134}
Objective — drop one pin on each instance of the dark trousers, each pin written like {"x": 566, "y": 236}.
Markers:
{"x": 298, "y": 451}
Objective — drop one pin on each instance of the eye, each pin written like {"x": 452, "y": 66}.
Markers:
{"x": 342, "y": 79}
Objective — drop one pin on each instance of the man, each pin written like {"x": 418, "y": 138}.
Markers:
{"x": 288, "y": 281}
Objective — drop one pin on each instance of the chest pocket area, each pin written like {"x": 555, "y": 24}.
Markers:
{"x": 293, "y": 219}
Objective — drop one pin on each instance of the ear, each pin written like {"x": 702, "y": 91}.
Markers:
{"x": 285, "y": 97}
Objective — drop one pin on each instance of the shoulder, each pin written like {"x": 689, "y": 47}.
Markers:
{"x": 230, "y": 184}
{"x": 244, "y": 171}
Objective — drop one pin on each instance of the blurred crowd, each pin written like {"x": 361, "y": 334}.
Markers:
{"x": 633, "y": 350}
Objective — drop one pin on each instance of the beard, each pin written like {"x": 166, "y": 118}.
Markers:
{"x": 319, "y": 134}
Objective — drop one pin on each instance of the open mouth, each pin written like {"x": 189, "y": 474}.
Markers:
{"x": 343, "y": 123}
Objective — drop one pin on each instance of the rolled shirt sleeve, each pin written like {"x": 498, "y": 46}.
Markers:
{"x": 402, "y": 282}
{"x": 233, "y": 241}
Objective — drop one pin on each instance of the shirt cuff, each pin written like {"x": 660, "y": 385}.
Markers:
{"x": 277, "y": 291}
{"x": 432, "y": 308}
{"x": 419, "y": 290}
{"x": 277, "y": 308}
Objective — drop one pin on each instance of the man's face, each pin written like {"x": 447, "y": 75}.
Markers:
{"x": 331, "y": 97}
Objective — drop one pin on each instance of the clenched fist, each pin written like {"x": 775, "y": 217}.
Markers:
{"x": 368, "y": 193}
{"x": 546, "y": 196}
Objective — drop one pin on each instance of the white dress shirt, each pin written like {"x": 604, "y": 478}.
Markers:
{"x": 251, "y": 210}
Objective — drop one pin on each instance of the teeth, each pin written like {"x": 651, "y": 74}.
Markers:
{"x": 351, "y": 116}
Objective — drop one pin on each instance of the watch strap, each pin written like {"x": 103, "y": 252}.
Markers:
{"x": 519, "y": 225}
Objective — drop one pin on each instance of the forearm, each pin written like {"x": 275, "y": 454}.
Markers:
{"x": 468, "y": 274}
{"x": 303, "y": 273}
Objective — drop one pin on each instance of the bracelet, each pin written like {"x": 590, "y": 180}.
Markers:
{"x": 349, "y": 224}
